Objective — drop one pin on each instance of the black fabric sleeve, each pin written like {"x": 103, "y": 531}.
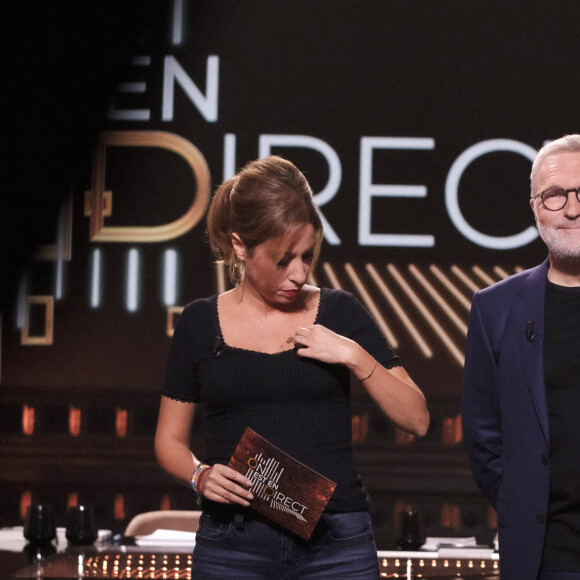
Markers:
{"x": 345, "y": 315}
{"x": 192, "y": 341}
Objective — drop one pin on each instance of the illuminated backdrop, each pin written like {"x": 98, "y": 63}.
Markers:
{"x": 415, "y": 122}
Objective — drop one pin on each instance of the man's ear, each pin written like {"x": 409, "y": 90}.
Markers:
{"x": 533, "y": 206}
{"x": 239, "y": 247}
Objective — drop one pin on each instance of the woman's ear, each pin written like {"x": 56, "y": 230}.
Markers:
{"x": 239, "y": 247}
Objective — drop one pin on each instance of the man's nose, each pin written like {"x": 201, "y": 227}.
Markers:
{"x": 572, "y": 208}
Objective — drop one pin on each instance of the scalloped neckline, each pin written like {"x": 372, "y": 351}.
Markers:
{"x": 249, "y": 350}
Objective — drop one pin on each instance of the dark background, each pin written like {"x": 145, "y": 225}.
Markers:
{"x": 459, "y": 73}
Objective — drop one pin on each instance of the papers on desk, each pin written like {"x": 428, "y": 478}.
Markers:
{"x": 435, "y": 544}
{"x": 457, "y": 548}
{"x": 167, "y": 538}
{"x": 12, "y": 539}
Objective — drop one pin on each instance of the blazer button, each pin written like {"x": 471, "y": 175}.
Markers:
{"x": 545, "y": 459}
{"x": 540, "y": 519}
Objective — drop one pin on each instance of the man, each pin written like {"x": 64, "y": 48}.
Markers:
{"x": 521, "y": 385}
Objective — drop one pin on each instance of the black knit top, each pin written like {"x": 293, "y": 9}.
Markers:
{"x": 300, "y": 405}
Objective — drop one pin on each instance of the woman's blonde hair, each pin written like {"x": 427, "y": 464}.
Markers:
{"x": 269, "y": 199}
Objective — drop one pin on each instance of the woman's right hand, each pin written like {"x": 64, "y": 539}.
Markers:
{"x": 225, "y": 485}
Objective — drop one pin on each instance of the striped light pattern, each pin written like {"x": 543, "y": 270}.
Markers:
{"x": 133, "y": 275}
{"x": 371, "y": 305}
{"x": 96, "y": 285}
{"x": 426, "y": 304}
{"x": 170, "y": 277}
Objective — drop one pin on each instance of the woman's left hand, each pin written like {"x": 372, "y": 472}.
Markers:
{"x": 320, "y": 343}
{"x": 394, "y": 391}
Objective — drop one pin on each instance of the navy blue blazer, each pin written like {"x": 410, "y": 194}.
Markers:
{"x": 505, "y": 417}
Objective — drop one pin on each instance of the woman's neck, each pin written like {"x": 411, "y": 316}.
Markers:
{"x": 245, "y": 296}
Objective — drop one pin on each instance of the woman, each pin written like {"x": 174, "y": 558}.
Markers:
{"x": 276, "y": 355}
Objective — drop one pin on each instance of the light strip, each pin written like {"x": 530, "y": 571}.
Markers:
{"x": 451, "y": 287}
{"x": 399, "y": 311}
{"x": 61, "y": 236}
{"x": 220, "y": 270}
{"x": 485, "y": 277}
{"x": 457, "y": 354}
{"x": 58, "y": 284}
{"x": 439, "y": 299}
{"x": 136, "y": 88}
{"x": 21, "y": 301}
{"x": 133, "y": 267}
{"x": 229, "y": 169}
{"x": 331, "y": 276}
{"x": 465, "y": 279}
{"x": 371, "y": 306}
{"x": 170, "y": 274}
{"x": 501, "y": 272}
{"x": 177, "y": 32}
{"x": 96, "y": 275}
{"x": 143, "y": 60}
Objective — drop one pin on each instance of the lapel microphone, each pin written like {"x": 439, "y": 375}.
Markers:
{"x": 529, "y": 330}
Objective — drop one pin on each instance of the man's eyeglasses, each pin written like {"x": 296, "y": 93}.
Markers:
{"x": 555, "y": 198}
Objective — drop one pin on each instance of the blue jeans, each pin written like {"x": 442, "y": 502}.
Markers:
{"x": 341, "y": 546}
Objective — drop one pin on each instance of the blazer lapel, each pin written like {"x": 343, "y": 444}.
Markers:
{"x": 530, "y": 308}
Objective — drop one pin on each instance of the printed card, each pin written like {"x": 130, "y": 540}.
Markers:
{"x": 285, "y": 491}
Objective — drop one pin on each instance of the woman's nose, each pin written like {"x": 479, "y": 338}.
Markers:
{"x": 300, "y": 272}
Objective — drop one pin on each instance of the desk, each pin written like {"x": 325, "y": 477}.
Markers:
{"x": 137, "y": 563}
{"x": 106, "y": 561}
{"x": 441, "y": 565}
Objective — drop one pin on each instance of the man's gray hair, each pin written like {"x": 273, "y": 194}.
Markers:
{"x": 566, "y": 144}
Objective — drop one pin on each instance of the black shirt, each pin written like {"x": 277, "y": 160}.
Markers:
{"x": 562, "y": 378}
{"x": 301, "y": 405}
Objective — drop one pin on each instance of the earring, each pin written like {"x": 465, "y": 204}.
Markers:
{"x": 236, "y": 275}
